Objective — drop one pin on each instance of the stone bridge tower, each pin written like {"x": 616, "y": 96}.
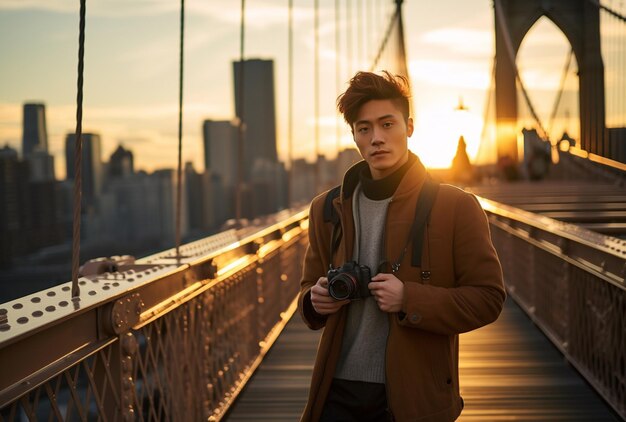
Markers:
{"x": 579, "y": 20}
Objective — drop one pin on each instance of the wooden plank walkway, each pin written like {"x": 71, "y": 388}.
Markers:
{"x": 509, "y": 371}
{"x": 598, "y": 207}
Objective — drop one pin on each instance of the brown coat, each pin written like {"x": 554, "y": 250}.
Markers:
{"x": 465, "y": 291}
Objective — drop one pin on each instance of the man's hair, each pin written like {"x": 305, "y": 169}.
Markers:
{"x": 367, "y": 86}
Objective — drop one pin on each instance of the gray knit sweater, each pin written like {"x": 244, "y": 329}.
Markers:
{"x": 365, "y": 337}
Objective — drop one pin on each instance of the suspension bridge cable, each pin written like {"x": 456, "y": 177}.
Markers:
{"x": 316, "y": 96}
{"x": 337, "y": 73}
{"x": 608, "y": 10}
{"x": 402, "y": 65}
{"x": 179, "y": 170}
{"x": 511, "y": 55}
{"x": 78, "y": 153}
{"x": 359, "y": 34}
{"x": 240, "y": 115}
{"x": 369, "y": 24}
{"x": 622, "y": 68}
{"x": 487, "y": 109}
{"x": 349, "y": 49}
{"x": 290, "y": 110}
{"x": 383, "y": 44}
{"x": 557, "y": 101}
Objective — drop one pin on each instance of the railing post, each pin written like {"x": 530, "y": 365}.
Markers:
{"x": 128, "y": 350}
{"x": 115, "y": 375}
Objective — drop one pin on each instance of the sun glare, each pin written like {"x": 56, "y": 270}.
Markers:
{"x": 437, "y": 135}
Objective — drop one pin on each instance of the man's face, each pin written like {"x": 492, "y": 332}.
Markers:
{"x": 381, "y": 133}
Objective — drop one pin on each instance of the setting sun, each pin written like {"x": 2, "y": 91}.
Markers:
{"x": 437, "y": 133}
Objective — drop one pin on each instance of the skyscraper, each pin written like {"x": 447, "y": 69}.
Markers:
{"x": 121, "y": 163}
{"x": 91, "y": 165}
{"x": 255, "y": 106}
{"x": 220, "y": 150}
{"x": 35, "y": 143}
{"x": 34, "y": 132}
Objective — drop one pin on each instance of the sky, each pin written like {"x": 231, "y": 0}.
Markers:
{"x": 131, "y": 70}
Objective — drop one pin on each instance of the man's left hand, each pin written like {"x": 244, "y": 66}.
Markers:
{"x": 388, "y": 291}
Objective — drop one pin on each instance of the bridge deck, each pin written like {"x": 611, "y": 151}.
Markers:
{"x": 509, "y": 371}
{"x": 597, "y": 207}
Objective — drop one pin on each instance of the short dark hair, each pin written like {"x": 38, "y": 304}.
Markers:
{"x": 367, "y": 86}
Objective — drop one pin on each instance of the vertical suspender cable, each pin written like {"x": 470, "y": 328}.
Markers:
{"x": 238, "y": 196}
{"x": 622, "y": 71}
{"x": 393, "y": 20}
{"x": 290, "y": 110}
{"x": 369, "y": 25}
{"x": 179, "y": 171}
{"x": 359, "y": 35}
{"x": 317, "y": 99}
{"x": 349, "y": 50}
{"x": 621, "y": 83}
{"x": 337, "y": 75}
{"x": 402, "y": 65}
{"x": 557, "y": 101}
{"x": 78, "y": 154}
{"x": 486, "y": 113}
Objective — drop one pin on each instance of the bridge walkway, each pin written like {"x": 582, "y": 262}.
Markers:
{"x": 508, "y": 370}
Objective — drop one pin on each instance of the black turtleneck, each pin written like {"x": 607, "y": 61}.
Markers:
{"x": 383, "y": 188}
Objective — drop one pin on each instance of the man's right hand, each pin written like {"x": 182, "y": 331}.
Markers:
{"x": 321, "y": 300}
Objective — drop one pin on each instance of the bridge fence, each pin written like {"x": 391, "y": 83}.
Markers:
{"x": 162, "y": 339}
{"x": 179, "y": 346}
{"x": 570, "y": 281}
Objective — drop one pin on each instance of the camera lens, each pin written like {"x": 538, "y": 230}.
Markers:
{"x": 342, "y": 286}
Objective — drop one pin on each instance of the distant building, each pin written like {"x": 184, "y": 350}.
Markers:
{"x": 266, "y": 193}
{"x": 35, "y": 143}
{"x": 41, "y": 165}
{"x": 11, "y": 184}
{"x": 139, "y": 211}
{"x": 193, "y": 193}
{"x": 92, "y": 169}
{"x": 121, "y": 163}
{"x": 34, "y": 131}
{"x": 220, "y": 150}
{"x": 346, "y": 159}
{"x": 218, "y": 202}
{"x": 28, "y": 210}
{"x": 256, "y": 108}
{"x": 302, "y": 181}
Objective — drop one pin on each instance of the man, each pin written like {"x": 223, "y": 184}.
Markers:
{"x": 393, "y": 355}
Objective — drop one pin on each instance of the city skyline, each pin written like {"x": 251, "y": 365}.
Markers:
{"x": 131, "y": 50}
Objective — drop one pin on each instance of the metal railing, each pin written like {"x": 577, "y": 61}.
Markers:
{"x": 570, "y": 281}
{"x": 168, "y": 339}
{"x": 159, "y": 338}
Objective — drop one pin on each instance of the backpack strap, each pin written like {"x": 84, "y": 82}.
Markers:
{"x": 425, "y": 201}
{"x": 330, "y": 216}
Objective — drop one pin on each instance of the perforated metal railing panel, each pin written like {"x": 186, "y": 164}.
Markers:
{"x": 176, "y": 343}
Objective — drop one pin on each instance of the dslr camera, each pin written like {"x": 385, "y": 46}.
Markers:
{"x": 350, "y": 281}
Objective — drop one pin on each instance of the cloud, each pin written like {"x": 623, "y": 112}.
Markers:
{"x": 258, "y": 15}
{"x": 467, "y": 42}
{"x": 451, "y": 73}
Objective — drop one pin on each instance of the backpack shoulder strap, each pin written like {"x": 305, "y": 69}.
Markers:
{"x": 330, "y": 215}
{"x": 425, "y": 202}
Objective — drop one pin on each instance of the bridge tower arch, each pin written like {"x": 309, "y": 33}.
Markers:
{"x": 579, "y": 20}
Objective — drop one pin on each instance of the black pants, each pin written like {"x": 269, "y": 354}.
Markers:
{"x": 355, "y": 401}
